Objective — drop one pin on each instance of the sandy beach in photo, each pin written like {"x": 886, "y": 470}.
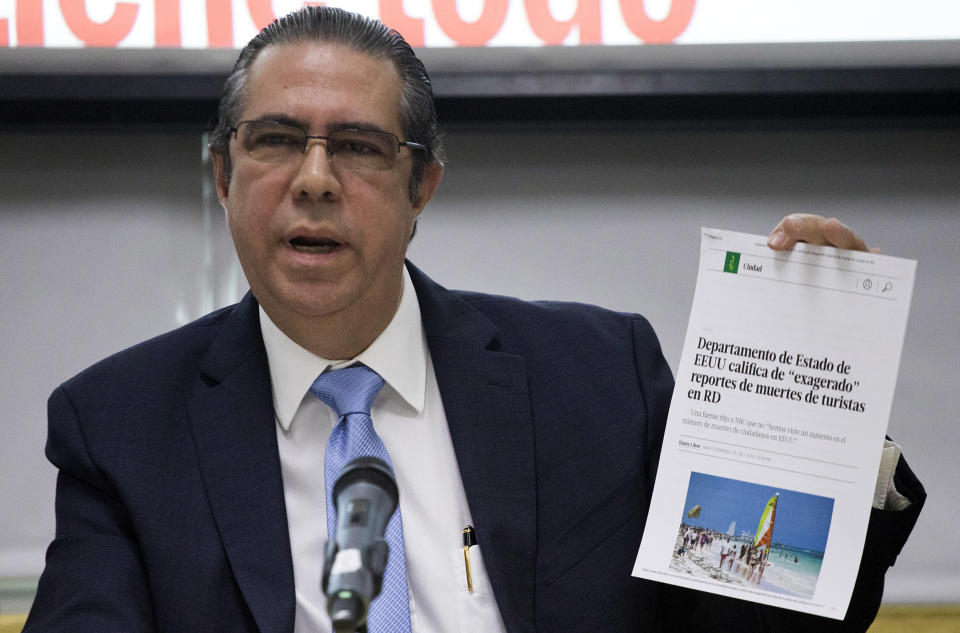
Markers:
{"x": 780, "y": 575}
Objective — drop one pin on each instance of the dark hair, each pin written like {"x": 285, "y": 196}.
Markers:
{"x": 418, "y": 114}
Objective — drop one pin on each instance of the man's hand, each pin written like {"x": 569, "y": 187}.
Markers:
{"x": 814, "y": 229}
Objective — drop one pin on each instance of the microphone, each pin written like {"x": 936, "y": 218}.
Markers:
{"x": 365, "y": 496}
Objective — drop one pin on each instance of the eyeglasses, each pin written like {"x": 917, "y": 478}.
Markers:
{"x": 358, "y": 150}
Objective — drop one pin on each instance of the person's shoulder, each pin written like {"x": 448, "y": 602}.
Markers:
{"x": 551, "y": 317}
{"x": 549, "y": 309}
{"x": 522, "y": 316}
{"x": 172, "y": 353}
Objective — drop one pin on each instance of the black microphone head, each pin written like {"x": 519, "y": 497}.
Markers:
{"x": 371, "y": 470}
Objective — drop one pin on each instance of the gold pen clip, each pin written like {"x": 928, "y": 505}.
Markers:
{"x": 469, "y": 540}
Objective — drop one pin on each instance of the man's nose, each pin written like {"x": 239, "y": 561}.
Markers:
{"x": 316, "y": 177}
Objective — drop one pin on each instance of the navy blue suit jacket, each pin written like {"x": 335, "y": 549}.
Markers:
{"x": 170, "y": 510}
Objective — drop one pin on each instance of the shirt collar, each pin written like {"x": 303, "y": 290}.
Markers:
{"x": 399, "y": 355}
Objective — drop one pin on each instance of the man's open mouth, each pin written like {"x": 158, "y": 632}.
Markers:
{"x": 313, "y": 244}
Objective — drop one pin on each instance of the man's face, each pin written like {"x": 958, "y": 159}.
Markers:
{"x": 315, "y": 240}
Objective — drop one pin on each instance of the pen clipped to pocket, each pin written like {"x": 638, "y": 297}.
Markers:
{"x": 476, "y": 606}
{"x": 469, "y": 540}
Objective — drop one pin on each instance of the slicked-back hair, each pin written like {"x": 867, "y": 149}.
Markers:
{"x": 418, "y": 114}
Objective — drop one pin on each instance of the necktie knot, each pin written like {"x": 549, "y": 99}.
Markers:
{"x": 349, "y": 390}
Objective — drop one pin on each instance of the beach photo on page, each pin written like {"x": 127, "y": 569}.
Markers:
{"x": 738, "y": 533}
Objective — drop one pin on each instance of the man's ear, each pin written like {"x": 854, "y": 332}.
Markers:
{"x": 220, "y": 177}
{"x": 432, "y": 174}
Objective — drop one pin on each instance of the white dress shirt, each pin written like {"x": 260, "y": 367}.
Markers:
{"x": 409, "y": 417}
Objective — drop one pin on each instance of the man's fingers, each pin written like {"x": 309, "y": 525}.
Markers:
{"x": 840, "y": 235}
{"x": 801, "y": 227}
{"x": 813, "y": 229}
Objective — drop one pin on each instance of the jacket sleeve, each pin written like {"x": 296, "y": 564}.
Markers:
{"x": 94, "y": 579}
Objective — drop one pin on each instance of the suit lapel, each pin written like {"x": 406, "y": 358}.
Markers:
{"x": 487, "y": 405}
{"x": 234, "y": 431}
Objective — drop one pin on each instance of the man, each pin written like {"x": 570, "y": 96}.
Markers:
{"x": 191, "y": 484}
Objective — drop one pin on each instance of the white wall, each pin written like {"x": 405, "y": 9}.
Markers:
{"x": 105, "y": 240}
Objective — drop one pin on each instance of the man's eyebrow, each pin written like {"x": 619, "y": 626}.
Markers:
{"x": 285, "y": 119}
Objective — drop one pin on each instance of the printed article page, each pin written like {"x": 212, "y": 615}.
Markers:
{"x": 774, "y": 436}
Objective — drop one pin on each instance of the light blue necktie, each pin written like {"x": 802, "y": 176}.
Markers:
{"x": 351, "y": 392}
